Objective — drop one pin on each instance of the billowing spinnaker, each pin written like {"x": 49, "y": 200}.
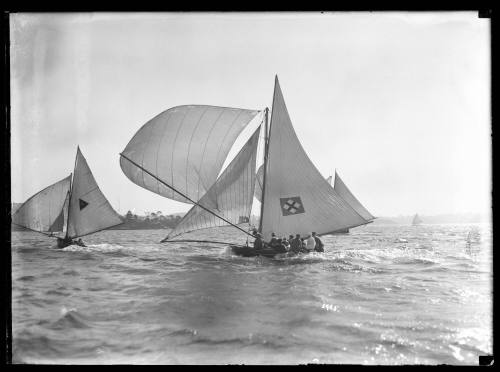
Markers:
{"x": 230, "y": 196}
{"x": 297, "y": 199}
{"x": 42, "y": 210}
{"x": 346, "y": 194}
{"x": 185, "y": 147}
{"x": 89, "y": 210}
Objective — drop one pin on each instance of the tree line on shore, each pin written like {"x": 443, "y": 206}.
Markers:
{"x": 151, "y": 220}
{"x": 131, "y": 221}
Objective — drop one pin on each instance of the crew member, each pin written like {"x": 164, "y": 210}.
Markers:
{"x": 310, "y": 243}
{"x": 296, "y": 244}
{"x": 257, "y": 244}
{"x": 319, "y": 244}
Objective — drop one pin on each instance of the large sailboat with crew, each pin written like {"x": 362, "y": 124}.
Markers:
{"x": 180, "y": 153}
{"x": 68, "y": 209}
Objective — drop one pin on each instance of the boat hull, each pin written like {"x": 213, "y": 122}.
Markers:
{"x": 245, "y": 251}
{"x": 343, "y": 231}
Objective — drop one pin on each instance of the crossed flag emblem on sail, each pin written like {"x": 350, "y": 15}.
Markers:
{"x": 292, "y": 205}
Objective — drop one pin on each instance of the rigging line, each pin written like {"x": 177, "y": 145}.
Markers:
{"x": 185, "y": 196}
{"x": 201, "y": 241}
{"x": 40, "y": 232}
{"x": 93, "y": 232}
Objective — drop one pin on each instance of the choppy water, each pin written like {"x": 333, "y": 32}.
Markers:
{"x": 380, "y": 295}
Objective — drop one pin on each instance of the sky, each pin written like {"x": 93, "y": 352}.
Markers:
{"x": 397, "y": 102}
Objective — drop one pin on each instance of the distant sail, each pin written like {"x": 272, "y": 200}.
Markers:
{"x": 329, "y": 180}
{"x": 185, "y": 147}
{"x": 40, "y": 212}
{"x": 230, "y": 197}
{"x": 297, "y": 199}
{"x": 89, "y": 210}
{"x": 416, "y": 220}
{"x": 344, "y": 192}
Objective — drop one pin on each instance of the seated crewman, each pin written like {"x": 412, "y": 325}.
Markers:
{"x": 319, "y": 244}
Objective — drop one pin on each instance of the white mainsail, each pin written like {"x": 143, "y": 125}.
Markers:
{"x": 329, "y": 180}
{"x": 230, "y": 197}
{"x": 416, "y": 220}
{"x": 89, "y": 210}
{"x": 42, "y": 211}
{"x": 297, "y": 199}
{"x": 346, "y": 194}
{"x": 185, "y": 147}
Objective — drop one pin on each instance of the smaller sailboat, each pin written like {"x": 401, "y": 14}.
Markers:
{"x": 68, "y": 209}
{"x": 416, "y": 220}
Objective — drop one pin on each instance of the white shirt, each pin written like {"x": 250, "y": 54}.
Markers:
{"x": 310, "y": 243}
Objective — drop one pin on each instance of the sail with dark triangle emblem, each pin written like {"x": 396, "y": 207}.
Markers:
{"x": 89, "y": 210}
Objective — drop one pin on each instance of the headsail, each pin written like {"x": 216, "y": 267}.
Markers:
{"x": 61, "y": 221}
{"x": 185, "y": 147}
{"x": 89, "y": 210}
{"x": 259, "y": 182}
{"x": 42, "y": 211}
{"x": 346, "y": 194}
{"x": 297, "y": 197}
{"x": 230, "y": 196}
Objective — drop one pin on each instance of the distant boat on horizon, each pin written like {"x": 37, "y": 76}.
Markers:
{"x": 180, "y": 153}
{"x": 68, "y": 209}
{"x": 416, "y": 220}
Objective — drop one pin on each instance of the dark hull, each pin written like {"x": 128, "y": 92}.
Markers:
{"x": 343, "y": 231}
{"x": 251, "y": 252}
{"x": 63, "y": 243}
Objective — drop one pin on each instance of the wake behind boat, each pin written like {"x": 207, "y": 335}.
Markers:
{"x": 68, "y": 209}
{"x": 180, "y": 153}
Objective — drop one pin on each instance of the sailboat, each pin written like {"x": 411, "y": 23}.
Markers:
{"x": 68, "y": 209}
{"x": 179, "y": 154}
{"x": 416, "y": 220}
{"x": 341, "y": 188}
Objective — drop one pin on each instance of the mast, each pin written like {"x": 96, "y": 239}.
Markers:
{"x": 71, "y": 191}
{"x": 266, "y": 155}
{"x": 266, "y": 149}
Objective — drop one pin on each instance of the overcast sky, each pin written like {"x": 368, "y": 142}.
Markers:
{"x": 398, "y": 103}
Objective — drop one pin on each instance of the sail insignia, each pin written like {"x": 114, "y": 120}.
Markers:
{"x": 82, "y": 203}
{"x": 292, "y": 205}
